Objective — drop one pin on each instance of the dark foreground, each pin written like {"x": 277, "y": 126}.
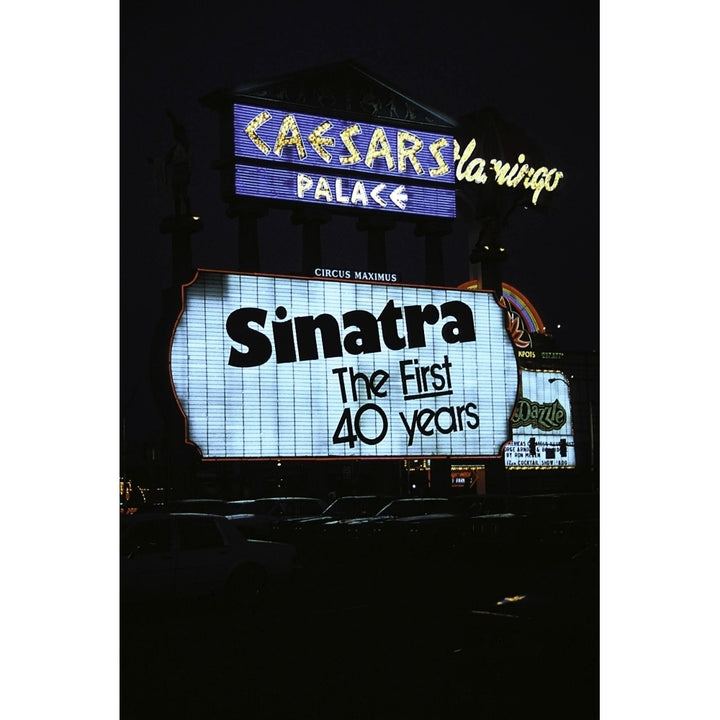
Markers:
{"x": 407, "y": 638}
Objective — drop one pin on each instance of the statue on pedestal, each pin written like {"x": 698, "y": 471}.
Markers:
{"x": 178, "y": 167}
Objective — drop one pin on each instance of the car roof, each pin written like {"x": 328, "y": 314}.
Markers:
{"x": 417, "y": 500}
{"x": 291, "y": 497}
{"x": 149, "y": 517}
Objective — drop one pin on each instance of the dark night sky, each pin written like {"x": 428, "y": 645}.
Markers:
{"x": 536, "y": 64}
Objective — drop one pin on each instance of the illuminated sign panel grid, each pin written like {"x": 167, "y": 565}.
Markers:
{"x": 279, "y": 184}
{"x": 342, "y": 164}
{"x": 542, "y": 423}
{"x": 297, "y": 409}
{"x": 305, "y": 125}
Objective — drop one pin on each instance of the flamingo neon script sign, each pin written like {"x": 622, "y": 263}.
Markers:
{"x": 472, "y": 170}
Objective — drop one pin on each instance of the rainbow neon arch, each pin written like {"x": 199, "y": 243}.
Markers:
{"x": 530, "y": 316}
{"x": 516, "y": 304}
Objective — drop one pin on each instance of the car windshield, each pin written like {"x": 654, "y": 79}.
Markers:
{"x": 306, "y": 507}
{"x": 199, "y": 505}
{"x": 278, "y": 507}
{"x": 240, "y": 507}
{"x": 408, "y": 507}
{"x": 262, "y": 507}
{"x": 346, "y": 507}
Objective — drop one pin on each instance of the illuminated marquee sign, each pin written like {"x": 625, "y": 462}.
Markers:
{"x": 279, "y": 367}
{"x": 542, "y": 424}
{"x": 309, "y": 158}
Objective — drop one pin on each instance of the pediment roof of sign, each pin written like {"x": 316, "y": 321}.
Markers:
{"x": 344, "y": 89}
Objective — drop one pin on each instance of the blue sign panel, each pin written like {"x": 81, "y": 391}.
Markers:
{"x": 311, "y": 140}
{"x": 330, "y": 161}
{"x": 361, "y": 193}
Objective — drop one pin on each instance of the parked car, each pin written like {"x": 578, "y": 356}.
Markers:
{"x": 431, "y": 526}
{"x": 171, "y": 557}
{"x": 304, "y": 529}
{"x": 260, "y": 518}
{"x": 562, "y": 523}
{"x": 481, "y": 504}
{"x": 368, "y": 529}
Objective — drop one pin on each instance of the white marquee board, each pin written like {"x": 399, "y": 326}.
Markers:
{"x": 399, "y": 371}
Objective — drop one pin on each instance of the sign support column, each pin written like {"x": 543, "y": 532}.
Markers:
{"x": 248, "y": 213}
{"x": 433, "y": 230}
{"x": 311, "y": 220}
{"x": 376, "y": 227}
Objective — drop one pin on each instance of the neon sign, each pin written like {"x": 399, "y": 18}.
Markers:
{"x": 473, "y": 170}
{"x": 522, "y": 318}
{"x": 543, "y": 416}
{"x": 363, "y": 166}
{"x": 346, "y": 192}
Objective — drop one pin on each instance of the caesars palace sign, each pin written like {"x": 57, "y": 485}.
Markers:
{"x": 281, "y": 367}
{"x": 309, "y": 158}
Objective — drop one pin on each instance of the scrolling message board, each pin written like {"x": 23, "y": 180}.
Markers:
{"x": 279, "y": 367}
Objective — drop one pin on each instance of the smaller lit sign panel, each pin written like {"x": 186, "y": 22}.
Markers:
{"x": 271, "y": 367}
{"x": 466, "y": 476}
{"x": 541, "y": 423}
{"x": 342, "y": 163}
{"x": 346, "y": 192}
